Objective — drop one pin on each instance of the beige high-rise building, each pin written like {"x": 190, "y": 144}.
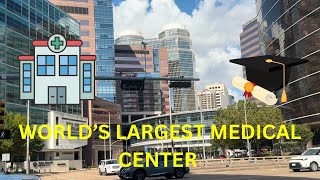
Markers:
{"x": 83, "y": 11}
{"x": 214, "y": 96}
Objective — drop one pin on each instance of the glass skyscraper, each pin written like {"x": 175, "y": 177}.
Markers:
{"x": 176, "y": 38}
{"x": 291, "y": 28}
{"x": 103, "y": 16}
{"x": 20, "y": 23}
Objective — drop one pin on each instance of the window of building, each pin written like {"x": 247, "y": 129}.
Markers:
{"x": 27, "y": 77}
{"x": 74, "y": 10}
{"x": 84, "y": 33}
{"x": 78, "y": 0}
{"x": 85, "y": 53}
{"x": 45, "y": 66}
{"x": 84, "y": 22}
{"x": 87, "y": 77}
{"x": 86, "y": 44}
{"x": 68, "y": 66}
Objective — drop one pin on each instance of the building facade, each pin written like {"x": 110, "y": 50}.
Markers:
{"x": 97, "y": 111}
{"x": 103, "y": 16}
{"x": 153, "y": 98}
{"x": 83, "y": 11}
{"x": 182, "y": 145}
{"x": 181, "y": 59}
{"x": 20, "y": 23}
{"x": 249, "y": 41}
{"x": 129, "y": 37}
{"x": 176, "y": 38}
{"x": 97, "y": 34}
{"x": 214, "y": 96}
{"x": 64, "y": 148}
{"x": 291, "y": 28}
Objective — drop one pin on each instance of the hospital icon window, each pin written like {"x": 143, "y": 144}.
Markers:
{"x": 87, "y": 77}
{"x": 68, "y": 66}
{"x": 27, "y": 77}
{"x": 45, "y": 66}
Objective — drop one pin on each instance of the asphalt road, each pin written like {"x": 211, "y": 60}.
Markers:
{"x": 206, "y": 174}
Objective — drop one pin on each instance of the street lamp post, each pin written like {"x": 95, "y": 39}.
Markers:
{"x": 284, "y": 94}
{"x": 247, "y": 132}
{"x": 110, "y": 154}
{"x": 28, "y": 139}
{"x": 170, "y": 114}
{"x": 104, "y": 140}
{"x": 170, "y": 105}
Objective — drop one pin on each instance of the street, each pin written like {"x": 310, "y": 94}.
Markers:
{"x": 236, "y": 174}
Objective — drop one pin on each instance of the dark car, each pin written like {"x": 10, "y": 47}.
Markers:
{"x": 134, "y": 173}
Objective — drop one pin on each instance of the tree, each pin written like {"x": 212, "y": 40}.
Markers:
{"x": 256, "y": 115}
{"x": 16, "y": 145}
{"x": 304, "y": 132}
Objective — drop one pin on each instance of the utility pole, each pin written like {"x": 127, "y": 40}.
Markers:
{"x": 28, "y": 139}
{"x": 201, "y": 119}
{"x": 110, "y": 154}
{"x": 170, "y": 112}
{"x": 247, "y": 132}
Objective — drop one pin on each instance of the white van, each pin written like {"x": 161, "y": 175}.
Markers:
{"x": 110, "y": 166}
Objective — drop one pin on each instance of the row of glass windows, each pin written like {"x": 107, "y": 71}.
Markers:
{"x": 74, "y": 10}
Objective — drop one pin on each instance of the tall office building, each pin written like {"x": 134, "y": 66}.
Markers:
{"x": 181, "y": 58}
{"x": 103, "y": 16}
{"x": 83, "y": 11}
{"x": 292, "y": 29}
{"x": 129, "y": 37}
{"x": 152, "y": 97}
{"x": 176, "y": 38}
{"x": 96, "y": 24}
{"x": 249, "y": 40}
{"x": 20, "y": 23}
{"x": 214, "y": 96}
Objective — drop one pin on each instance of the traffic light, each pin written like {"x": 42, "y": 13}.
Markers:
{"x": 133, "y": 85}
{"x": 180, "y": 84}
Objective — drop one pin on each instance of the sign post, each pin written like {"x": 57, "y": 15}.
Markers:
{"x": 5, "y": 158}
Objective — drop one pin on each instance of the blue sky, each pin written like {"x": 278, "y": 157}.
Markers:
{"x": 186, "y": 6}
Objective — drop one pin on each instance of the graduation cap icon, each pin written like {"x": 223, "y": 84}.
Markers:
{"x": 270, "y": 72}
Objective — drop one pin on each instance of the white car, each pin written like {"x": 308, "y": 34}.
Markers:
{"x": 110, "y": 166}
{"x": 310, "y": 159}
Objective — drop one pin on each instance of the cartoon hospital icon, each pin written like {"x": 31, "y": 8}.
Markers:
{"x": 57, "y": 73}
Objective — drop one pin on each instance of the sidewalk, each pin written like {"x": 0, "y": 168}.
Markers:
{"x": 221, "y": 169}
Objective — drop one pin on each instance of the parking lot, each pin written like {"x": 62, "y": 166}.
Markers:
{"x": 204, "y": 174}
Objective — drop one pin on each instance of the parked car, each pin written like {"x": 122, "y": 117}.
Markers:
{"x": 310, "y": 159}
{"x": 110, "y": 166}
{"x": 151, "y": 171}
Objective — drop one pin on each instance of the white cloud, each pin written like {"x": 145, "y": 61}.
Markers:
{"x": 214, "y": 31}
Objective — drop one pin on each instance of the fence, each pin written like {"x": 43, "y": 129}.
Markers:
{"x": 243, "y": 162}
